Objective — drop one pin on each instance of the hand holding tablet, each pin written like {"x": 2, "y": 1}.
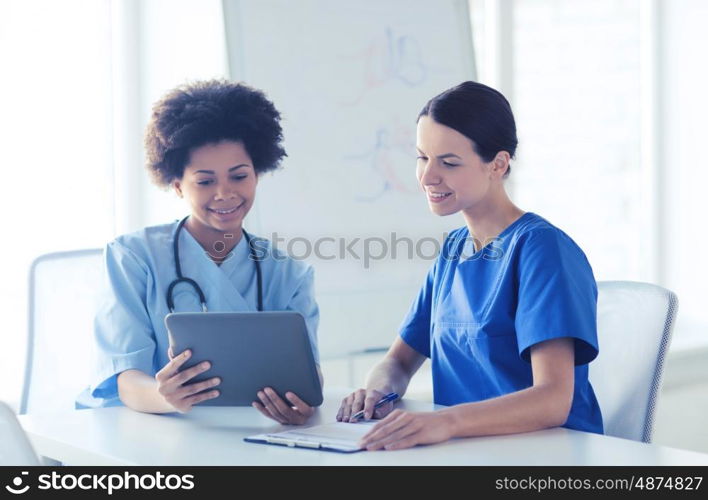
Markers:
{"x": 249, "y": 352}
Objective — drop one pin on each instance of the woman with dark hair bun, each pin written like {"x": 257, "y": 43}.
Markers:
{"x": 209, "y": 142}
{"x": 507, "y": 313}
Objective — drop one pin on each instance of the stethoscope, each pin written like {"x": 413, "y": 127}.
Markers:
{"x": 182, "y": 279}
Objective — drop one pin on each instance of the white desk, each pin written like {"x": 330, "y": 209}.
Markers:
{"x": 214, "y": 436}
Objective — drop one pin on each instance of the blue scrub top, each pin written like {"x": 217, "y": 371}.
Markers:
{"x": 478, "y": 317}
{"x": 129, "y": 327}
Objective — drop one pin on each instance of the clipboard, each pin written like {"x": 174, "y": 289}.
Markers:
{"x": 339, "y": 437}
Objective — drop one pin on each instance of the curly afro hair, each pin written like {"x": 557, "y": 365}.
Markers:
{"x": 207, "y": 112}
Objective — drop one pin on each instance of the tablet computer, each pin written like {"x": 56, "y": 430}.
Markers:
{"x": 248, "y": 351}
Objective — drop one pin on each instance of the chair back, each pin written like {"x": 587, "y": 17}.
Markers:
{"x": 634, "y": 326}
{"x": 63, "y": 295}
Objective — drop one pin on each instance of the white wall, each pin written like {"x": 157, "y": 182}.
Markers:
{"x": 683, "y": 404}
{"x": 682, "y": 410}
{"x": 685, "y": 108}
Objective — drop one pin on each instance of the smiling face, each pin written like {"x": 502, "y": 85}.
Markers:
{"x": 219, "y": 183}
{"x": 452, "y": 175}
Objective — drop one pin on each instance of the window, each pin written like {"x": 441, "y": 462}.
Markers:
{"x": 576, "y": 95}
{"x": 56, "y": 145}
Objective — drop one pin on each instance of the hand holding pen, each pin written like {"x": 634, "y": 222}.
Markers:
{"x": 390, "y": 397}
{"x": 367, "y": 404}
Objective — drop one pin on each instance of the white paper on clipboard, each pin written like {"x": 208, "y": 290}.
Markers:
{"x": 337, "y": 436}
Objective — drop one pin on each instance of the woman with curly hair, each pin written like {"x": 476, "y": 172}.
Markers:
{"x": 209, "y": 142}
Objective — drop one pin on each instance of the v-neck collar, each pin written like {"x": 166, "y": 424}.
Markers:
{"x": 216, "y": 281}
{"x": 466, "y": 240}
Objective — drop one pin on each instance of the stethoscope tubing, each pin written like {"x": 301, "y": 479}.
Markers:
{"x": 183, "y": 279}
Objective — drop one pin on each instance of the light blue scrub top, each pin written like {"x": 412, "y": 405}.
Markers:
{"x": 478, "y": 317}
{"x": 129, "y": 327}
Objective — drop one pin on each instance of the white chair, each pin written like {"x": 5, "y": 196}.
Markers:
{"x": 16, "y": 448}
{"x": 634, "y": 326}
{"x": 63, "y": 294}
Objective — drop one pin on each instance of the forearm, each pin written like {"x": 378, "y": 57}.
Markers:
{"x": 388, "y": 376}
{"x": 138, "y": 391}
{"x": 535, "y": 408}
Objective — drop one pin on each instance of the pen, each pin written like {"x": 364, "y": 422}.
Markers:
{"x": 391, "y": 396}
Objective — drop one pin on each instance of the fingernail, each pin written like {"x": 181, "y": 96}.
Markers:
{"x": 216, "y": 381}
{"x": 187, "y": 353}
{"x": 205, "y": 365}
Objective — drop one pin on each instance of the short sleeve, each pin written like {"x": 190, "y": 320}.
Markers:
{"x": 415, "y": 329}
{"x": 303, "y": 301}
{"x": 123, "y": 332}
{"x": 557, "y": 295}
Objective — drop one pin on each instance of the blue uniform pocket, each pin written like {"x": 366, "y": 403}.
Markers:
{"x": 484, "y": 360}
{"x": 469, "y": 330}
{"x": 455, "y": 334}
